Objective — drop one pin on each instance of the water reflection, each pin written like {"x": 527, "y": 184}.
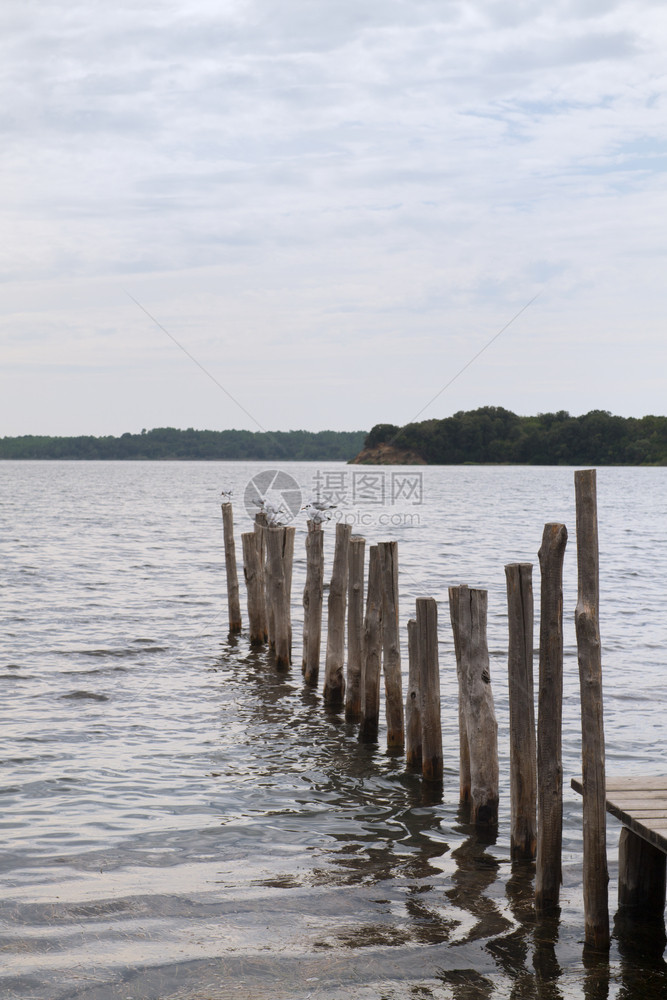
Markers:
{"x": 596, "y": 975}
{"x": 466, "y": 984}
{"x": 641, "y": 946}
{"x": 422, "y": 874}
{"x": 476, "y": 870}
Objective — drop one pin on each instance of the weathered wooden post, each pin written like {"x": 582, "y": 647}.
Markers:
{"x": 263, "y": 622}
{"x": 548, "y": 872}
{"x": 429, "y": 686}
{"x": 334, "y": 669}
{"x": 312, "y": 602}
{"x": 370, "y": 676}
{"x": 586, "y": 617}
{"x": 261, "y": 528}
{"x": 641, "y": 879}
{"x": 479, "y": 714}
{"x": 413, "y": 720}
{"x": 288, "y": 563}
{"x": 391, "y": 645}
{"x": 464, "y": 748}
{"x": 523, "y": 753}
{"x": 275, "y": 546}
{"x": 254, "y": 578}
{"x": 233, "y": 601}
{"x": 355, "y": 627}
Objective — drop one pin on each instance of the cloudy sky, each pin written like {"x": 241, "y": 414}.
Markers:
{"x": 332, "y": 207}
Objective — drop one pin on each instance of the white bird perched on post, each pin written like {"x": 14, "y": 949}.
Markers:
{"x": 274, "y": 514}
{"x": 226, "y": 495}
{"x": 319, "y": 510}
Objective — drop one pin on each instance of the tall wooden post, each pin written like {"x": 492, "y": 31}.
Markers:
{"x": 259, "y": 525}
{"x": 478, "y": 709}
{"x": 275, "y": 546}
{"x": 413, "y": 719}
{"x": 596, "y": 878}
{"x": 312, "y": 602}
{"x": 288, "y": 562}
{"x": 464, "y": 748}
{"x": 254, "y": 578}
{"x": 233, "y": 601}
{"x": 391, "y": 645}
{"x": 370, "y": 676}
{"x": 355, "y": 627}
{"x": 334, "y": 669}
{"x": 523, "y": 753}
{"x": 429, "y": 686}
{"x": 548, "y": 872}
{"x": 641, "y": 878}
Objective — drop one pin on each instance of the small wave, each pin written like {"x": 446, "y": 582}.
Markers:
{"x": 94, "y": 670}
{"x": 118, "y": 653}
{"x": 92, "y": 695}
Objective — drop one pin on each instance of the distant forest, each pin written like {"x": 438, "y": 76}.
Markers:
{"x": 494, "y": 435}
{"x": 489, "y": 435}
{"x": 167, "y": 443}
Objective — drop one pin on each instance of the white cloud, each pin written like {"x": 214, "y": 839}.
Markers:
{"x": 314, "y": 196}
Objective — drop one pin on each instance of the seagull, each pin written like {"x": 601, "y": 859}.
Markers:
{"x": 226, "y": 495}
{"x": 274, "y": 514}
{"x": 318, "y": 504}
{"x": 319, "y": 510}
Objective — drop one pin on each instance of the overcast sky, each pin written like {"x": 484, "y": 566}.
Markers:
{"x": 332, "y": 207}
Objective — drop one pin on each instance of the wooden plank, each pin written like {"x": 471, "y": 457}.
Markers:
{"x": 636, "y": 784}
{"x": 640, "y": 813}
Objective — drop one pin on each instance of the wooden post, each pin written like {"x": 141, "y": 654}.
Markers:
{"x": 370, "y": 675}
{"x": 477, "y": 697}
{"x": 641, "y": 877}
{"x": 548, "y": 872}
{"x": 429, "y": 686}
{"x": 334, "y": 669}
{"x": 233, "y": 601}
{"x": 259, "y": 525}
{"x": 312, "y": 602}
{"x": 464, "y": 748}
{"x": 523, "y": 753}
{"x": 391, "y": 645}
{"x": 254, "y": 578}
{"x": 586, "y": 617}
{"x": 355, "y": 627}
{"x": 262, "y": 528}
{"x": 288, "y": 562}
{"x": 275, "y": 546}
{"x": 413, "y": 720}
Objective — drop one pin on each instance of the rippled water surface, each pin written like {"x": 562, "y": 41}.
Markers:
{"x": 181, "y": 821}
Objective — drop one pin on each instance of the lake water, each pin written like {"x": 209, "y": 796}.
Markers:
{"x": 180, "y": 821}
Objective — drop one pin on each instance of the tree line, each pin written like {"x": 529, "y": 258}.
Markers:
{"x": 168, "y": 443}
{"x": 492, "y": 434}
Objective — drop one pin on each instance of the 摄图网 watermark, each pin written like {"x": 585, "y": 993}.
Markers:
{"x": 361, "y": 497}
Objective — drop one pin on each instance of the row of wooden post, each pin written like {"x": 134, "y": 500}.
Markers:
{"x": 373, "y": 648}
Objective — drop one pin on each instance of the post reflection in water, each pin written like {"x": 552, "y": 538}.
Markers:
{"x": 422, "y": 875}
{"x": 596, "y": 976}
{"x": 641, "y": 947}
{"x": 547, "y": 968}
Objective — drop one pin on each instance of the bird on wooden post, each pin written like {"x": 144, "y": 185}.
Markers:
{"x": 319, "y": 511}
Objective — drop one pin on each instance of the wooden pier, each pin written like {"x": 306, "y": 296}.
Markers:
{"x": 640, "y": 804}
{"x": 536, "y": 778}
